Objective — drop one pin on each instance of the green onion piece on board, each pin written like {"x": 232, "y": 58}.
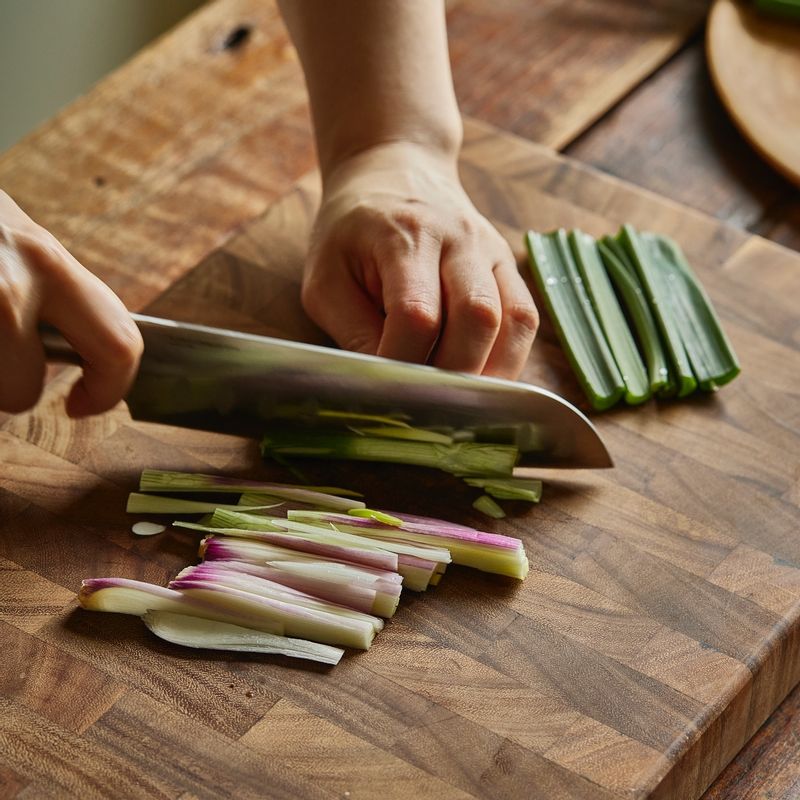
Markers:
{"x": 630, "y": 291}
{"x": 570, "y": 308}
{"x": 528, "y": 489}
{"x": 609, "y": 314}
{"x": 710, "y": 352}
{"x": 487, "y": 506}
{"x": 467, "y": 458}
{"x": 659, "y": 288}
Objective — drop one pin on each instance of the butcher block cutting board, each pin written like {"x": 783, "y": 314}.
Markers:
{"x": 658, "y": 628}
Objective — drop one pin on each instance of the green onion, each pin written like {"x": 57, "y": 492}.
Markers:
{"x": 658, "y": 288}
{"x": 711, "y": 355}
{"x": 571, "y": 311}
{"x": 158, "y": 504}
{"x": 463, "y": 457}
{"x": 157, "y": 480}
{"x": 378, "y": 516}
{"x": 610, "y": 316}
{"x": 211, "y": 635}
{"x": 528, "y": 489}
{"x": 487, "y": 506}
{"x": 622, "y": 274}
{"x": 409, "y": 433}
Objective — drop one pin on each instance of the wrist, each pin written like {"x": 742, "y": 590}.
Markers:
{"x": 395, "y": 161}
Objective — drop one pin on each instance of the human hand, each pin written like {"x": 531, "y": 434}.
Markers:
{"x": 41, "y": 281}
{"x": 402, "y": 264}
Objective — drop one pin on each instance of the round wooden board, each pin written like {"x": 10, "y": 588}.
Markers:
{"x": 755, "y": 64}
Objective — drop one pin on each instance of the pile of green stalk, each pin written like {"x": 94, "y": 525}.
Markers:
{"x": 632, "y": 316}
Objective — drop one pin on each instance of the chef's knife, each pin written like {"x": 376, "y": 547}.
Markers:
{"x": 219, "y": 380}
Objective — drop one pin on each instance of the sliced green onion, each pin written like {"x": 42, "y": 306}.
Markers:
{"x": 157, "y": 480}
{"x": 487, "y": 506}
{"x": 573, "y": 317}
{"x": 710, "y": 352}
{"x": 658, "y": 289}
{"x": 627, "y": 284}
{"x": 528, "y": 489}
{"x": 412, "y": 434}
{"x": 466, "y": 457}
{"x": 378, "y": 516}
{"x": 211, "y": 635}
{"x": 609, "y": 314}
{"x": 158, "y": 504}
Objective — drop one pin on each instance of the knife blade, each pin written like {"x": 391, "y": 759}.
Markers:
{"x": 219, "y": 380}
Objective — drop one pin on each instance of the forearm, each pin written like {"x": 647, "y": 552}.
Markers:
{"x": 377, "y": 72}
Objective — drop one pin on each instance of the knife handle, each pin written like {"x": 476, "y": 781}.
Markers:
{"x": 57, "y": 348}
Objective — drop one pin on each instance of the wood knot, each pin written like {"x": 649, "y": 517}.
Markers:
{"x": 237, "y": 37}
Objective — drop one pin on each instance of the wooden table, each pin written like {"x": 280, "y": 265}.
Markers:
{"x": 145, "y": 176}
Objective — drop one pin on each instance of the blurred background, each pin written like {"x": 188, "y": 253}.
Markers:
{"x": 51, "y": 51}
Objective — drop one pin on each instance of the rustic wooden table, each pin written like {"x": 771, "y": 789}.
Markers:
{"x": 164, "y": 160}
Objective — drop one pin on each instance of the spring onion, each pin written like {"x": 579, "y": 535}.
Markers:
{"x": 156, "y": 480}
{"x": 487, "y": 506}
{"x": 467, "y": 458}
{"x": 574, "y": 319}
{"x": 210, "y": 635}
{"x": 625, "y": 281}
{"x": 610, "y": 316}
{"x": 528, "y": 489}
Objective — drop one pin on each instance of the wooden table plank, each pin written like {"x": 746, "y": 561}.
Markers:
{"x": 548, "y": 70}
{"x": 673, "y": 136}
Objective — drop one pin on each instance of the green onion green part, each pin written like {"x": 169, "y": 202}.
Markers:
{"x": 609, "y": 314}
{"x": 710, "y": 353}
{"x": 623, "y": 276}
{"x": 528, "y": 489}
{"x": 487, "y": 506}
{"x": 658, "y": 288}
{"x": 467, "y": 458}
{"x": 570, "y": 308}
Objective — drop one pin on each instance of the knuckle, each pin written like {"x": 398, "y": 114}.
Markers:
{"x": 481, "y": 311}
{"x": 125, "y": 346}
{"x": 419, "y": 315}
{"x": 523, "y": 316}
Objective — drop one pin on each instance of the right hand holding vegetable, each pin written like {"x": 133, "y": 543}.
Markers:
{"x": 41, "y": 282}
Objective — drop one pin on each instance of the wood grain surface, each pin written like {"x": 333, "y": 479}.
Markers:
{"x": 657, "y": 630}
{"x": 200, "y": 133}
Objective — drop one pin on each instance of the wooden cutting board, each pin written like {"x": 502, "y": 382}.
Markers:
{"x": 656, "y": 631}
{"x": 754, "y": 59}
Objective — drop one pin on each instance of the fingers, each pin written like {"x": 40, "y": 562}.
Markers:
{"x": 40, "y": 280}
{"x": 336, "y": 302}
{"x": 473, "y": 309}
{"x": 97, "y": 325}
{"x": 21, "y": 353}
{"x": 518, "y": 326}
{"x": 412, "y": 301}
